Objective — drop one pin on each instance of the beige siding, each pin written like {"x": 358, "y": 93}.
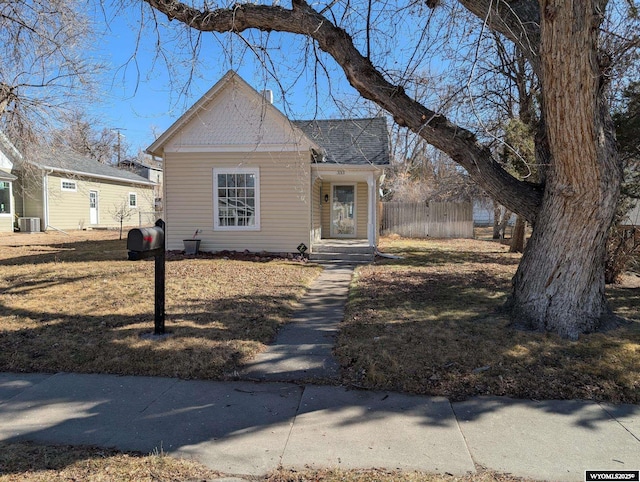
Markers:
{"x": 30, "y": 193}
{"x": 326, "y": 210}
{"x": 285, "y": 208}
{"x": 6, "y": 224}
{"x": 17, "y": 198}
{"x": 70, "y": 210}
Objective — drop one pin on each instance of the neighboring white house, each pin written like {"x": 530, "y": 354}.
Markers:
{"x": 62, "y": 190}
{"x": 484, "y": 212}
{"x": 248, "y": 178}
{"x": 8, "y": 156}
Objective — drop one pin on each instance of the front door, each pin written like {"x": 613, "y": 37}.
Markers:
{"x": 93, "y": 207}
{"x": 343, "y": 211}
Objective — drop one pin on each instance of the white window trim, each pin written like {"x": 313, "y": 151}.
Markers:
{"x": 236, "y": 170}
{"x": 68, "y": 189}
{"x": 10, "y": 213}
{"x": 135, "y": 195}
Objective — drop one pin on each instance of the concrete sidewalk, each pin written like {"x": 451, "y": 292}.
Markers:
{"x": 246, "y": 428}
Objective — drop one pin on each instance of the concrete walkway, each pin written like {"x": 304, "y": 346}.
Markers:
{"x": 302, "y": 350}
{"x": 246, "y": 428}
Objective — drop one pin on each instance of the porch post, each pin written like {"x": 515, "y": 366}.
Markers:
{"x": 373, "y": 211}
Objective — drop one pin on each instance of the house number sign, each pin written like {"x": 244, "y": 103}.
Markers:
{"x": 341, "y": 172}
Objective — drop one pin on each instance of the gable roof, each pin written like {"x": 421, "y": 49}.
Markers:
{"x": 255, "y": 120}
{"x": 69, "y": 162}
{"x": 342, "y": 141}
{"x": 350, "y": 141}
{"x": 8, "y": 148}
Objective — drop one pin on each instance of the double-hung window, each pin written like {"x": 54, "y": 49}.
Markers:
{"x": 5, "y": 197}
{"x": 133, "y": 200}
{"x": 236, "y": 199}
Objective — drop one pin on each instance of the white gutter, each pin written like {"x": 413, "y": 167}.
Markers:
{"x": 96, "y": 176}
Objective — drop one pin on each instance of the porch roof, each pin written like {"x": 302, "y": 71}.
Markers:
{"x": 350, "y": 141}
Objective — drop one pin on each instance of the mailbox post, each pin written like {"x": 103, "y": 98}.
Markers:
{"x": 144, "y": 243}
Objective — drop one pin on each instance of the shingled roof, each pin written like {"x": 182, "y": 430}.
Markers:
{"x": 350, "y": 141}
{"x": 67, "y": 161}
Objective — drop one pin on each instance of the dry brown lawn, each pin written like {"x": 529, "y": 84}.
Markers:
{"x": 24, "y": 462}
{"x": 74, "y": 303}
{"x": 431, "y": 323}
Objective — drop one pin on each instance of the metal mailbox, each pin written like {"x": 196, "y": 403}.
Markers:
{"x": 145, "y": 239}
{"x": 145, "y": 242}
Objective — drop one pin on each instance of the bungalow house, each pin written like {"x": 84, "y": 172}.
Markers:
{"x": 60, "y": 189}
{"x": 248, "y": 178}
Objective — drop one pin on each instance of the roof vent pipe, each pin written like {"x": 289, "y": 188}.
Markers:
{"x": 268, "y": 95}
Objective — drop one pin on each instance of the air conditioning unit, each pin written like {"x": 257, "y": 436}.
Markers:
{"x": 29, "y": 225}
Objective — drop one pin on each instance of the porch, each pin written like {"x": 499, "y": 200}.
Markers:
{"x": 344, "y": 213}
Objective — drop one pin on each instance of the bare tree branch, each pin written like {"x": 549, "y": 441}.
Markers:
{"x": 460, "y": 144}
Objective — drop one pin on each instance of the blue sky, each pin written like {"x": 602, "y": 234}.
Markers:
{"x": 138, "y": 97}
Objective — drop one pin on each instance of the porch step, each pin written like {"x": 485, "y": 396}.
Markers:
{"x": 347, "y": 258}
{"x": 346, "y": 249}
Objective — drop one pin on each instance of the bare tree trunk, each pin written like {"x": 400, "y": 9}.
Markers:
{"x": 559, "y": 285}
{"x": 497, "y": 216}
{"x": 501, "y": 218}
{"x": 517, "y": 240}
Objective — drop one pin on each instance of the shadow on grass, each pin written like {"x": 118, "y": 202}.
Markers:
{"x": 23, "y": 284}
{"x": 74, "y": 251}
{"x": 206, "y": 341}
{"x": 433, "y": 257}
{"x": 440, "y": 329}
{"x": 625, "y": 301}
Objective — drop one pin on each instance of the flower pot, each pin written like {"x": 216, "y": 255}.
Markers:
{"x": 191, "y": 246}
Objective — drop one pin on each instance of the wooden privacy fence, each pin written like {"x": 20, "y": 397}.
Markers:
{"x": 421, "y": 220}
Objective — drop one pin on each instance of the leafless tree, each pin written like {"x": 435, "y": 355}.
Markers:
{"x": 44, "y": 67}
{"x": 559, "y": 284}
{"x": 425, "y": 174}
{"x": 121, "y": 213}
{"x": 81, "y": 133}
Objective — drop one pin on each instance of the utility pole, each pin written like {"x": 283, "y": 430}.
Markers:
{"x": 118, "y": 131}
